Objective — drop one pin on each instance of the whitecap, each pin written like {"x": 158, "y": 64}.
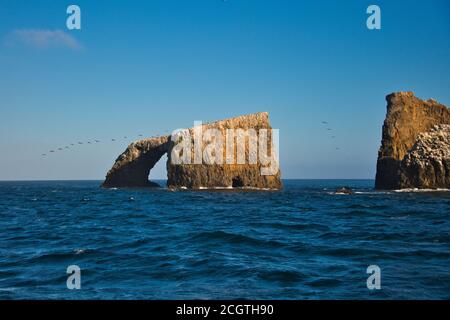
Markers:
{"x": 79, "y": 251}
{"x": 422, "y": 190}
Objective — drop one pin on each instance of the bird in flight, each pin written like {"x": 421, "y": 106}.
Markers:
{"x": 113, "y": 139}
{"x": 97, "y": 140}
{"x": 80, "y": 142}
{"x": 52, "y": 150}
{"x": 324, "y": 122}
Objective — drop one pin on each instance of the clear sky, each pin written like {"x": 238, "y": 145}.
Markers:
{"x": 140, "y": 67}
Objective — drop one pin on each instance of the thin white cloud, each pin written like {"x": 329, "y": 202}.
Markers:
{"x": 41, "y": 38}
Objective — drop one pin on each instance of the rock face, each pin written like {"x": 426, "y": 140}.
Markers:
{"x": 427, "y": 164}
{"x": 132, "y": 167}
{"x": 407, "y": 117}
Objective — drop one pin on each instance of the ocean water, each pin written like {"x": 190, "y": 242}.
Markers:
{"x": 303, "y": 242}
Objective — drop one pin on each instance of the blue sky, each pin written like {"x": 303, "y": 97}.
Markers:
{"x": 140, "y": 67}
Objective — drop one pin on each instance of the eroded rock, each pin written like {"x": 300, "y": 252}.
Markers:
{"x": 132, "y": 167}
{"x": 407, "y": 116}
{"x": 427, "y": 164}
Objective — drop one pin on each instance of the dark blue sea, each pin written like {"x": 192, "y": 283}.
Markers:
{"x": 303, "y": 242}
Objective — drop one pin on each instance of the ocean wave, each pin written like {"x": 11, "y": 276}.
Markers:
{"x": 233, "y": 238}
{"x": 281, "y": 275}
{"x": 324, "y": 283}
{"x": 422, "y": 190}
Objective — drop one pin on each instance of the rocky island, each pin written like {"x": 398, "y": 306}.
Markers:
{"x": 415, "y": 146}
{"x": 232, "y": 153}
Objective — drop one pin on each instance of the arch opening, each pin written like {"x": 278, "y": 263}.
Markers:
{"x": 237, "y": 182}
{"x": 158, "y": 174}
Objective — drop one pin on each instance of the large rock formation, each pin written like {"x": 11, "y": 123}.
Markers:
{"x": 133, "y": 166}
{"x": 407, "y": 117}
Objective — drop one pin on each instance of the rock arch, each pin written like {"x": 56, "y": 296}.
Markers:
{"x": 133, "y": 166}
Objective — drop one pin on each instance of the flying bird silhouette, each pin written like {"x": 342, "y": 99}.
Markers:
{"x": 324, "y": 122}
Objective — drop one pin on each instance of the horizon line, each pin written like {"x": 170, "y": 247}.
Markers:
{"x": 55, "y": 180}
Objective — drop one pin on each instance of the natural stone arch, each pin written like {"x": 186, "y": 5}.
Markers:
{"x": 133, "y": 166}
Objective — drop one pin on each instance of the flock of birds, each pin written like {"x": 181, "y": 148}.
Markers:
{"x": 329, "y": 129}
{"x": 92, "y": 141}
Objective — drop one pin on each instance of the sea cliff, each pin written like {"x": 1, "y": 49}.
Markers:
{"x": 409, "y": 133}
